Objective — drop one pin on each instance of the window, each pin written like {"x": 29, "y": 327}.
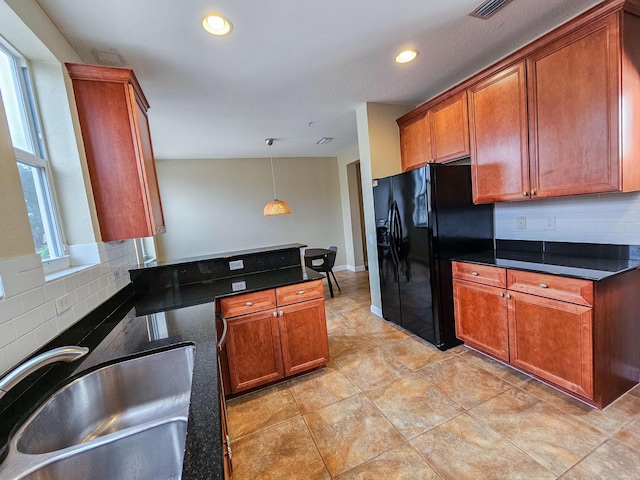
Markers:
{"x": 26, "y": 136}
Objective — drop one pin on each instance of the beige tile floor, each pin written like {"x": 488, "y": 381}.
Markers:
{"x": 391, "y": 406}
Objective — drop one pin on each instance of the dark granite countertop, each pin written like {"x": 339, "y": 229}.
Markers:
{"x": 135, "y": 324}
{"x": 222, "y": 255}
{"x": 576, "y": 266}
{"x": 207, "y": 291}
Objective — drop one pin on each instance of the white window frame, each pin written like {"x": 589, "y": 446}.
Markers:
{"x": 31, "y": 119}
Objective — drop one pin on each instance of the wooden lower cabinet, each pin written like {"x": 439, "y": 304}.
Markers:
{"x": 303, "y": 336}
{"x": 226, "y": 441}
{"x": 481, "y": 317}
{"x": 587, "y": 346}
{"x": 553, "y": 340}
{"x": 223, "y": 383}
{"x": 253, "y": 350}
{"x": 272, "y": 344}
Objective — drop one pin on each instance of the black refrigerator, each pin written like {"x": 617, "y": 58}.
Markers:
{"x": 424, "y": 217}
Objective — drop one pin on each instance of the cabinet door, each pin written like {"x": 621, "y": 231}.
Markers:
{"x": 253, "y": 350}
{"x": 481, "y": 317}
{"x": 115, "y": 133}
{"x": 226, "y": 441}
{"x": 148, "y": 176}
{"x": 499, "y": 135}
{"x": 449, "y": 123}
{"x": 415, "y": 144}
{"x": 573, "y": 107}
{"x": 303, "y": 333}
{"x": 553, "y": 340}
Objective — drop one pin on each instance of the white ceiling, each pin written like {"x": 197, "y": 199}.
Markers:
{"x": 291, "y": 62}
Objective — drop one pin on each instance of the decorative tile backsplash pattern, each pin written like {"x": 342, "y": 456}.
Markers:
{"x": 607, "y": 218}
{"x": 29, "y": 315}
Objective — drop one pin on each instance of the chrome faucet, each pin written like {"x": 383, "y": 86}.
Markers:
{"x": 60, "y": 354}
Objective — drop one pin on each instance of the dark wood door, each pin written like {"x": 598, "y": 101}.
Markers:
{"x": 449, "y": 122}
{"x": 573, "y": 87}
{"x": 498, "y": 131}
{"x": 553, "y": 340}
{"x": 481, "y": 317}
{"x": 415, "y": 144}
{"x": 253, "y": 350}
{"x": 303, "y": 333}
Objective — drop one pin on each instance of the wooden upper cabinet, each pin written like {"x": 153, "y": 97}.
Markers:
{"x": 574, "y": 94}
{"x": 113, "y": 119}
{"x": 499, "y": 135}
{"x": 415, "y": 144}
{"x": 449, "y": 123}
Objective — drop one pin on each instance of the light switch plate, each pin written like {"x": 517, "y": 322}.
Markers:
{"x": 522, "y": 223}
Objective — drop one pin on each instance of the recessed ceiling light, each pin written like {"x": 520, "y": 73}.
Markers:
{"x": 406, "y": 56}
{"x": 216, "y": 24}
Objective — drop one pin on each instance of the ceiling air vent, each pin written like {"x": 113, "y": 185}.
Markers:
{"x": 488, "y": 8}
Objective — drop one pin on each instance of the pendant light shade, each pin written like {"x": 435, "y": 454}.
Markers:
{"x": 276, "y": 207}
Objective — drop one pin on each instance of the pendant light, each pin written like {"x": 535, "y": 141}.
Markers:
{"x": 277, "y": 207}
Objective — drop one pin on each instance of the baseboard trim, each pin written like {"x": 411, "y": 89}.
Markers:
{"x": 351, "y": 268}
{"x": 376, "y": 311}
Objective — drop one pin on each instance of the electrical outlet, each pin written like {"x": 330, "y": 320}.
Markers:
{"x": 549, "y": 222}
{"x": 63, "y": 304}
{"x": 522, "y": 223}
{"x": 236, "y": 265}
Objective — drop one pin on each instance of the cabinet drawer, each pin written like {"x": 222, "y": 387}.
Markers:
{"x": 494, "y": 276}
{"x": 248, "y": 303}
{"x": 299, "y": 292}
{"x": 573, "y": 290}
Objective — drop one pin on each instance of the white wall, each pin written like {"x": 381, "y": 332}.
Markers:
{"x": 215, "y": 205}
{"x": 379, "y": 147}
{"x": 28, "y": 315}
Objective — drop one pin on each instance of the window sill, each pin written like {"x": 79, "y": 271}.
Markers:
{"x": 49, "y": 277}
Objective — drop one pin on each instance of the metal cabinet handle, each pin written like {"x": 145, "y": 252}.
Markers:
{"x": 524, "y": 194}
{"x": 533, "y": 192}
{"x": 544, "y": 285}
{"x": 275, "y": 314}
{"x": 501, "y": 294}
{"x": 475, "y": 274}
{"x": 228, "y": 452}
{"x": 301, "y": 292}
{"x": 249, "y": 304}
{"x": 223, "y": 337}
{"x": 281, "y": 313}
{"x": 508, "y": 295}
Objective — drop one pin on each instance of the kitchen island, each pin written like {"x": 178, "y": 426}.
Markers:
{"x": 134, "y": 323}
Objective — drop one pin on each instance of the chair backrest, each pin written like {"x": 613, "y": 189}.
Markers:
{"x": 331, "y": 259}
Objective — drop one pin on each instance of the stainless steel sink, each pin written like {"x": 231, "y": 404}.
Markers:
{"x": 154, "y": 453}
{"x": 123, "y": 420}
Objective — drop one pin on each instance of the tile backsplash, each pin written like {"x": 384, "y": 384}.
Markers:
{"x": 606, "y": 218}
{"x": 34, "y": 310}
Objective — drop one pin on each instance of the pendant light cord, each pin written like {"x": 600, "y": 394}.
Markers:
{"x": 273, "y": 177}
